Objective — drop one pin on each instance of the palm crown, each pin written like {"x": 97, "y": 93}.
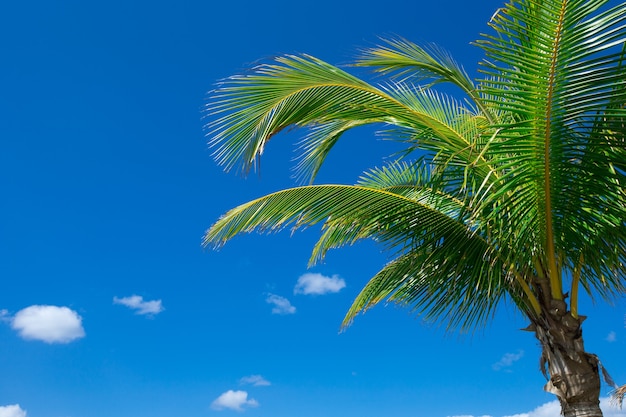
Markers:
{"x": 518, "y": 188}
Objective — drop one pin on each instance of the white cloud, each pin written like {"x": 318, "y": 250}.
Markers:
{"x": 256, "y": 380}
{"x": 50, "y": 324}
{"x": 553, "y": 408}
{"x": 234, "y": 400}
{"x": 281, "y": 304}
{"x": 4, "y": 315}
{"x": 611, "y": 337}
{"x": 469, "y": 415}
{"x": 136, "y": 302}
{"x": 507, "y": 360}
{"x": 12, "y": 411}
{"x": 317, "y": 284}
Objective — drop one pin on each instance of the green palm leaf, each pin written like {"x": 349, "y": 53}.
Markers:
{"x": 409, "y": 61}
{"x": 309, "y": 205}
{"x": 304, "y": 91}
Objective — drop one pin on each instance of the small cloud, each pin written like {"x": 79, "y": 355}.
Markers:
{"x": 255, "y": 380}
{"x": 136, "y": 302}
{"x": 234, "y": 400}
{"x": 507, "y": 360}
{"x": 4, "y": 315}
{"x": 611, "y": 337}
{"x": 12, "y": 411}
{"x": 50, "y": 324}
{"x": 553, "y": 408}
{"x": 469, "y": 415}
{"x": 318, "y": 284}
{"x": 281, "y": 304}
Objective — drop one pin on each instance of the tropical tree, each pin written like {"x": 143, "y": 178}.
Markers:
{"x": 513, "y": 191}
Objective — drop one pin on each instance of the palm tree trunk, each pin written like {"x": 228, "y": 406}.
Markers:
{"x": 573, "y": 374}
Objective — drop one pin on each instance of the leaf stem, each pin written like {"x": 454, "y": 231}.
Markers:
{"x": 553, "y": 275}
{"x": 574, "y": 291}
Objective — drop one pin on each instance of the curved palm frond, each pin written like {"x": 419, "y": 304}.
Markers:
{"x": 401, "y": 231}
{"x": 304, "y": 91}
{"x": 308, "y": 205}
{"x": 455, "y": 284}
{"x": 415, "y": 63}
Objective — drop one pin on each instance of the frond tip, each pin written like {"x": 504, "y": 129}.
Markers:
{"x": 617, "y": 396}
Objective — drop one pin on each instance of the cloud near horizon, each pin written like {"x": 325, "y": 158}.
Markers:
{"x": 281, "y": 304}
{"x": 553, "y": 408}
{"x": 255, "y": 380}
{"x": 318, "y": 284}
{"x": 50, "y": 324}
{"x": 141, "y": 307}
{"x": 507, "y": 360}
{"x": 12, "y": 411}
{"x": 233, "y": 400}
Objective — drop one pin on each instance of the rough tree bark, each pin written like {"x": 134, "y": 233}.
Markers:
{"x": 573, "y": 375}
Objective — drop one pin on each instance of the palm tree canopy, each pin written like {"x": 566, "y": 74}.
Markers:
{"x": 520, "y": 192}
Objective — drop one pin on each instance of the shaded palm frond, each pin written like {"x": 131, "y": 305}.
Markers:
{"x": 456, "y": 283}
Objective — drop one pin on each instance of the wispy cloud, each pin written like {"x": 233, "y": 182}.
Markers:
{"x": 507, "y": 360}
{"x": 4, "y": 315}
{"x": 553, "y": 408}
{"x": 611, "y": 337}
{"x": 281, "y": 304}
{"x": 318, "y": 284}
{"x": 469, "y": 415}
{"x": 50, "y": 324}
{"x": 255, "y": 380}
{"x": 12, "y": 411}
{"x": 233, "y": 400}
{"x": 136, "y": 302}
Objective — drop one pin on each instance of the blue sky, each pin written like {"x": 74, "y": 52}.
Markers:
{"x": 109, "y": 304}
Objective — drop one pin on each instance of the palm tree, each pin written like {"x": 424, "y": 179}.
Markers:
{"x": 514, "y": 191}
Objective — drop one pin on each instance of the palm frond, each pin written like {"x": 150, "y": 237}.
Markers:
{"x": 617, "y": 395}
{"x": 308, "y": 205}
{"x": 304, "y": 91}
{"x": 428, "y": 65}
{"x": 400, "y": 230}
{"x": 455, "y": 283}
